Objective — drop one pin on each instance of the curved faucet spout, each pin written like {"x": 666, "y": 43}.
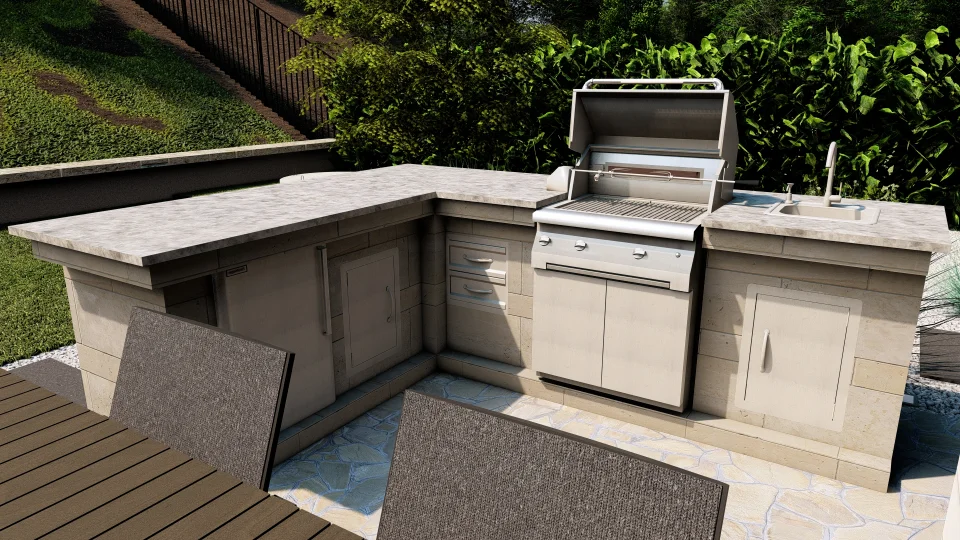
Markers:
{"x": 828, "y": 196}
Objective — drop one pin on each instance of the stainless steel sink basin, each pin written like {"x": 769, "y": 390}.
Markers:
{"x": 839, "y": 212}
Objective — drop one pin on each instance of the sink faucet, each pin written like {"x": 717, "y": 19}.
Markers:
{"x": 828, "y": 196}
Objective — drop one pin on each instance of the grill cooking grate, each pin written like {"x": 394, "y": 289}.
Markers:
{"x": 616, "y": 206}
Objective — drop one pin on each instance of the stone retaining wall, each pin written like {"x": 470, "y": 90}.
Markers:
{"x": 49, "y": 191}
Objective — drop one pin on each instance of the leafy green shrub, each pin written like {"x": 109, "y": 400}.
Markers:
{"x": 892, "y": 109}
{"x": 155, "y": 82}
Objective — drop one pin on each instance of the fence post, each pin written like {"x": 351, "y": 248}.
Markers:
{"x": 184, "y": 20}
{"x": 263, "y": 82}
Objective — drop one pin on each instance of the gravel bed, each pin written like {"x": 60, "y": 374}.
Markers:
{"x": 931, "y": 394}
{"x": 67, "y": 355}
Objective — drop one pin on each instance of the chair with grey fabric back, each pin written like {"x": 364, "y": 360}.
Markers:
{"x": 215, "y": 396}
{"x": 461, "y": 472}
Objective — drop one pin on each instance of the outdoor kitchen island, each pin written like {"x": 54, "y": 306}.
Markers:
{"x": 401, "y": 269}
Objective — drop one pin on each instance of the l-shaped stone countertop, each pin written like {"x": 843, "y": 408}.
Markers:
{"x": 154, "y": 233}
{"x": 159, "y": 232}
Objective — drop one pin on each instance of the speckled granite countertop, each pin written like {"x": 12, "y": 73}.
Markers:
{"x": 917, "y": 227}
{"x": 154, "y": 233}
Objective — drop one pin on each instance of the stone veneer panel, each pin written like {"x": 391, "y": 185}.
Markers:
{"x": 505, "y": 336}
{"x": 883, "y": 349}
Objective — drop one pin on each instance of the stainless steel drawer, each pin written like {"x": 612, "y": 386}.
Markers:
{"x": 477, "y": 290}
{"x": 480, "y": 259}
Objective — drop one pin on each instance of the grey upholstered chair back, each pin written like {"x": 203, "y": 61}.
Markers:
{"x": 214, "y": 396}
{"x": 461, "y": 472}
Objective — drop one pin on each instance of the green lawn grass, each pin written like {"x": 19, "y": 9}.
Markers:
{"x": 34, "y": 312}
{"x": 154, "y": 81}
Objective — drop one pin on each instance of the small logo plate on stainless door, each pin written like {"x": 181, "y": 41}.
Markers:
{"x": 236, "y": 270}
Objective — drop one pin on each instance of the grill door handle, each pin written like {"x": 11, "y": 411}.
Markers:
{"x": 716, "y": 83}
{"x": 763, "y": 351}
{"x": 477, "y": 291}
{"x": 477, "y": 260}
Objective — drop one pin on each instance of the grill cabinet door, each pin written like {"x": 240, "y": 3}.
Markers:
{"x": 371, "y": 309}
{"x": 568, "y": 326}
{"x": 645, "y": 342}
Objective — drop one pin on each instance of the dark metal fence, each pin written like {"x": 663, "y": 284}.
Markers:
{"x": 251, "y": 46}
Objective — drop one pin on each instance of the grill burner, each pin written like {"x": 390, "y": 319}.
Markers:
{"x": 638, "y": 208}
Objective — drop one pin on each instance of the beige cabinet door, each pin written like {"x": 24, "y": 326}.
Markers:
{"x": 644, "y": 345}
{"x": 797, "y": 357}
{"x": 371, "y": 319}
{"x": 568, "y": 326}
{"x": 278, "y": 300}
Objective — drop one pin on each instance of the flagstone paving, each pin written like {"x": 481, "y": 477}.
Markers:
{"x": 343, "y": 477}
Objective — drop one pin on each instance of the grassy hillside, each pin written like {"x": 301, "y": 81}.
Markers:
{"x": 34, "y": 312}
{"x": 77, "y": 84}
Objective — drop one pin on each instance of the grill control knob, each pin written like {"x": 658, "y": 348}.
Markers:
{"x": 580, "y": 245}
{"x": 544, "y": 240}
{"x": 639, "y": 253}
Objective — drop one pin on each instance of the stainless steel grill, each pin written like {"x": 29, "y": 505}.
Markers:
{"x": 617, "y": 265}
{"x": 638, "y": 208}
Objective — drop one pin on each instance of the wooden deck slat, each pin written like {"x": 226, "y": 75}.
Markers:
{"x": 256, "y": 520}
{"x": 94, "y": 497}
{"x": 16, "y": 389}
{"x": 26, "y": 398}
{"x": 214, "y": 514}
{"x": 41, "y": 421}
{"x": 173, "y": 508}
{"x": 57, "y": 449}
{"x": 34, "y": 409}
{"x": 69, "y": 473}
{"x": 334, "y": 532}
{"x": 35, "y": 501}
{"x": 68, "y": 464}
{"x": 298, "y": 526}
{"x": 115, "y": 512}
{"x": 9, "y": 379}
{"x": 49, "y": 435}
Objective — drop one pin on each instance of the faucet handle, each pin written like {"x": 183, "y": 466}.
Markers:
{"x": 789, "y": 192}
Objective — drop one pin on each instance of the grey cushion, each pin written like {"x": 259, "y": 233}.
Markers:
{"x": 214, "y": 396}
{"x": 56, "y": 377}
{"x": 463, "y": 472}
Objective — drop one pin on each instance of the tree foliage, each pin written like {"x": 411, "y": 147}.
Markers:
{"x": 499, "y": 97}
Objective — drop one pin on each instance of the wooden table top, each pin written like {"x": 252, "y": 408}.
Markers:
{"x": 66, "y": 472}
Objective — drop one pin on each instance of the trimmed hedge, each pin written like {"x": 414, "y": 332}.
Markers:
{"x": 892, "y": 109}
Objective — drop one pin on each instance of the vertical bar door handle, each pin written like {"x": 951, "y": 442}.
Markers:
{"x": 393, "y": 305}
{"x": 763, "y": 351}
{"x": 325, "y": 287}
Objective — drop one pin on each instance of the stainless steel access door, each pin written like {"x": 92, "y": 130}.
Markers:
{"x": 280, "y": 300}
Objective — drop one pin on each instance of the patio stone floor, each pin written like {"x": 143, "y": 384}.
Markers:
{"x": 343, "y": 477}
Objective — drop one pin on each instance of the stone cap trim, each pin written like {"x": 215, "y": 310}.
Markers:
{"x": 79, "y": 168}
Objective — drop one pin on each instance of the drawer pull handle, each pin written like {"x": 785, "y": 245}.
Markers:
{"x": 477, "y": 291}
{"x": 475, "y": 260}
{"x": 763, "y": 351}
